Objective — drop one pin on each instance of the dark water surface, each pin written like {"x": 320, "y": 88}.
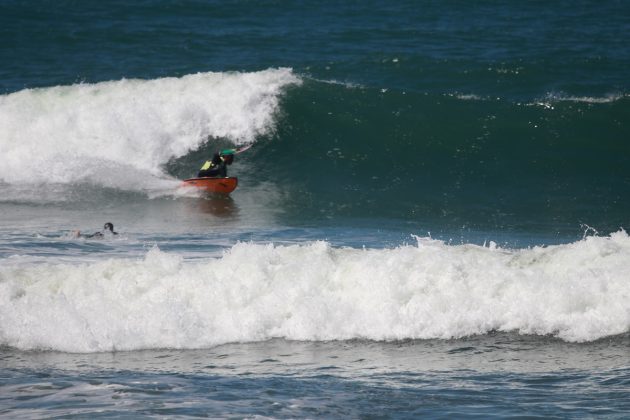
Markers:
{"x": 496, "y": 375}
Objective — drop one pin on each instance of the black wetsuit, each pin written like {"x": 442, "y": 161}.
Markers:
{"x": 98, "y": 234}
{"x": 214, "y": 168}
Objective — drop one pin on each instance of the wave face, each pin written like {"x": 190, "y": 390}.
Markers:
{"x": 577, "y": 292}
{"x": 120, "y": 134}
{"x": 351, "y": 151}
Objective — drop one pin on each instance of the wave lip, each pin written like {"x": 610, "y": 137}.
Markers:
{"x": 577, "y": 292}
{"x": 109, "y": 132}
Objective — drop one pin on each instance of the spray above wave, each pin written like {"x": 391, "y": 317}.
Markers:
{"x": 578, "y": 292}
{"x": 112, "y": 132}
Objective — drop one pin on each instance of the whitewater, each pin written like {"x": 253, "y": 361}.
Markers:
{"x": 314, "y": 292}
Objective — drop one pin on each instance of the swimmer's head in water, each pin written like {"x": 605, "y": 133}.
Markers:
{"x": 109, "y": 226}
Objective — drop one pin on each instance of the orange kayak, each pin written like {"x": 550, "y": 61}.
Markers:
{"x": 213, "y": 185}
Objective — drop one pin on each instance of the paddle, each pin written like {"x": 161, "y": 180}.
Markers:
{"x": 237, "y": 150}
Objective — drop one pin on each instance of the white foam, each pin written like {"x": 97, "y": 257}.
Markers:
{"x": 578, "y": 292}
{"x": 553, "y": 98}
{"x": 468, "y": 96}
{"x": 117, "y": 133}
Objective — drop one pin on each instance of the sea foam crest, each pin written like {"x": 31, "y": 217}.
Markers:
{"x": 554, "y": 97}
{"x": 577, "y": 292}
{"x": 107, "y": 133}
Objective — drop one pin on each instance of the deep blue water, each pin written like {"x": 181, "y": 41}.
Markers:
{"x": 431, "y": 220}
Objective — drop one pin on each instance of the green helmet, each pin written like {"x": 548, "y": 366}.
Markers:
{"x": 227, "y": 152}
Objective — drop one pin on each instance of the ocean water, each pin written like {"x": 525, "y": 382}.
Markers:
{"x": 431, "y": 222}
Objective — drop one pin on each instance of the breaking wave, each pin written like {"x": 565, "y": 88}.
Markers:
{"x": 577, "y": 292}
{"x": 120, "y": 134}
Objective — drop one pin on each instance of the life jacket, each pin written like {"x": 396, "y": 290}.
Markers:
{"x": 210, "y": 164}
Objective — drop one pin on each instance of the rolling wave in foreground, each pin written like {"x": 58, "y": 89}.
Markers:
{"x": 254, "y": 292}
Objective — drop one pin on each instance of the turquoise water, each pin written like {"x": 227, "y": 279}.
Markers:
{"x": 431, "y": 220}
